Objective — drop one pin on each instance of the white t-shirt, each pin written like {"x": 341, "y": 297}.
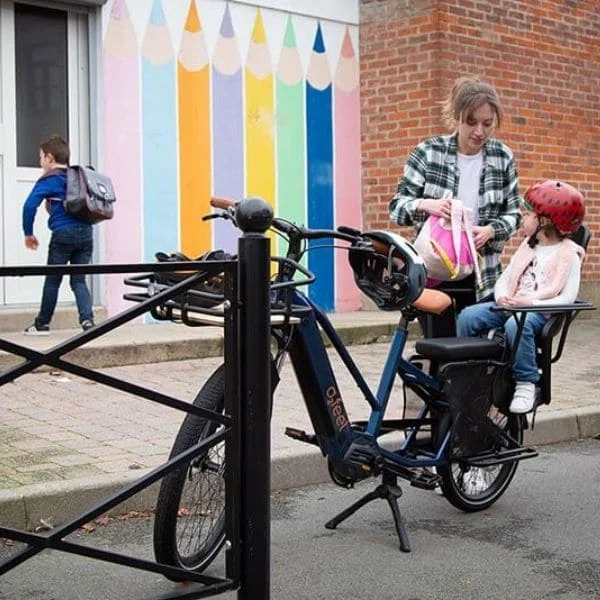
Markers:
{"x": 469, "y": 167}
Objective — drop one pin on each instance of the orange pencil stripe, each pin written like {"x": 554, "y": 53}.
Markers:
{"x": 194, "y": 137}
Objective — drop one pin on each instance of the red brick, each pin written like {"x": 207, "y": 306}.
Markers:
{"x": 543, "y": 59}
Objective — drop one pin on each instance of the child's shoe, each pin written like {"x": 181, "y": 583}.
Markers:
{"x": 524, "y": 398}
{"x": 87, "y": 324}
{"x": 36, "y": 329}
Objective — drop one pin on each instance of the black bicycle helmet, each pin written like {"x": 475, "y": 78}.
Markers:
{"x": 394, "y": 276}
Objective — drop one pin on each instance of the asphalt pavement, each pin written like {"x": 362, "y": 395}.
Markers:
{"x": 538, "y": 542}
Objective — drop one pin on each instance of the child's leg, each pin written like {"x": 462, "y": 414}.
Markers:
{"x": 525, "y": 364}
{"x": 477, "y": 318}
{"x": 525, "y": 370}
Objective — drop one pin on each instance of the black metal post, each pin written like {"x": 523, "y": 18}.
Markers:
{"x": 254, "y": 217}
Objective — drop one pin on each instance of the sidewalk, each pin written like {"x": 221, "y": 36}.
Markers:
{"x": 66, "y": 442}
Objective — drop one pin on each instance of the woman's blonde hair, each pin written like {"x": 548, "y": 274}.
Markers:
{"x": 466, "y": 96}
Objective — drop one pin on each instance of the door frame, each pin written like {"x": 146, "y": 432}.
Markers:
{"x": 82, "y": 105}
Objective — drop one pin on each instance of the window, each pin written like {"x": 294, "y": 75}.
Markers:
{"x": 41, "y": 79}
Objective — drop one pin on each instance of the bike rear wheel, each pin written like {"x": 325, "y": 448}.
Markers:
{"x": 472, "y": 488}
{"x": 189, "y": 523}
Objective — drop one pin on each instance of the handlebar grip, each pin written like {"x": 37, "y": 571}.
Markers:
{"x": 223, "y": 203}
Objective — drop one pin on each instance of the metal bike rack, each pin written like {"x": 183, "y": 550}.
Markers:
{"x": 247, "y": 440}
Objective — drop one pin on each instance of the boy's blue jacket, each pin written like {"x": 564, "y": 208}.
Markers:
{"x": 53, "y": 186}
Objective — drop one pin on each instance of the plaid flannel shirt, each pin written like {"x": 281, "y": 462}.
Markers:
{"x": 431, "y": 171}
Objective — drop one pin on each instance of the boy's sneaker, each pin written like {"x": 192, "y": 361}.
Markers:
{"x": 524, "y": 398}
{"x": 37, "y": 330}
{"x": 87, "y": 324}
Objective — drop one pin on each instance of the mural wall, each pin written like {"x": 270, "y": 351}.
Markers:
{"x": 204, "y": 98}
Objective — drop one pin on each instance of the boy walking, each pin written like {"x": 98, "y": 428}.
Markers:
{"x": 71, "y": 240}
{"x": 544, "y": 270}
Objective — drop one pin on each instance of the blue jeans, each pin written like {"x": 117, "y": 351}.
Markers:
{"x": 68, "y": 245}
{"x": 478, "y": 318}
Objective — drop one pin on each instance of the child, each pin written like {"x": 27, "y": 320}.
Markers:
{"x": 544, "y": 270}
{"x": 71, "y": 240}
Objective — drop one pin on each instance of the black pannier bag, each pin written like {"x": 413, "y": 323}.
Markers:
{"x": 90, "y": 195}
{"x": 472, "y": 388}
{"x": 206, "y": 293}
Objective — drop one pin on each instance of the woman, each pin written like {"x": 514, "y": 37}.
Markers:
{"x": 472, "y": 166}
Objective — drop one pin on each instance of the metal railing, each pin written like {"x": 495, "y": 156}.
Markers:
{"x": 247, "y": 441}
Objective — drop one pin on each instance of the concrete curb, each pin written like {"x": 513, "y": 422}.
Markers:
{"x": 58, "y": 502}
{"x": 104, "y": 352}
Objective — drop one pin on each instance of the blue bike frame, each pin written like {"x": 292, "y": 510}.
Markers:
{"x": 333, "y": 429}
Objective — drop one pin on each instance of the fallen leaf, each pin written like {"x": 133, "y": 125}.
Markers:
{"x": 88, "y": 527}
{"x": 44, "y": 526}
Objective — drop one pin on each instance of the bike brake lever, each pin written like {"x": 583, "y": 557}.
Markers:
{"x": 218, "y": 215}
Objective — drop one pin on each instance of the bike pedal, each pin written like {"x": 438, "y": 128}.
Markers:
{"x": 302, "y": 436}
{"x": 365, "y": 454}
{"x": 426, "y": 480}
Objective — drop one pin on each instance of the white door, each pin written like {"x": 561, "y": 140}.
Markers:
{"x": 45, "y": 82}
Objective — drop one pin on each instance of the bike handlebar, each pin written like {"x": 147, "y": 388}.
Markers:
{"x": 293, "y": 230}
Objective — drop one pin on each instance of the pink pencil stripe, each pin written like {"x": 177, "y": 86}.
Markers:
{"x": 122, "y": 161}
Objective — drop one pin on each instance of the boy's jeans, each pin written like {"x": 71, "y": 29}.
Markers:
{"x": 478, "y": 318}
{"x": 68, "y": 245}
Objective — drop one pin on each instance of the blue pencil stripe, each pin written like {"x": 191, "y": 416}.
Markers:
{"x": 160, "y": 158}
{"x": 319, "y": 156}
{"x": 319, "y": 142}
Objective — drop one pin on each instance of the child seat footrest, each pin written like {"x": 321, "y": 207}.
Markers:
{"x": 489, "y": 459}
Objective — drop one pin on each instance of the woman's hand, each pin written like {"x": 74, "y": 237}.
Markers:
{"x": 482, "y": 235}
{"x": 439, "y": 208}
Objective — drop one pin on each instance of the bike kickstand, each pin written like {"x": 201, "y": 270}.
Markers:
{"x": 387, "y": 490}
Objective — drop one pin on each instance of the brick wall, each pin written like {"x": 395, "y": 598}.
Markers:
{"x": 544, "y": 59}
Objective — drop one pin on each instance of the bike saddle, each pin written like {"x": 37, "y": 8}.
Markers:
{"x": 459, "y": 348}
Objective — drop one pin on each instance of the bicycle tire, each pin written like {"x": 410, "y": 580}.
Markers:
{"x": 189, "y": 521}
{"x": 462, "y": 485}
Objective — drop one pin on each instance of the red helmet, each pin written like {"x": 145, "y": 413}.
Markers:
{"x": 559, "y": 201}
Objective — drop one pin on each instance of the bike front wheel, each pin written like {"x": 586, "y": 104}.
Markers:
{"x": 189, "y": 523}
{"x": 472, "y": 488}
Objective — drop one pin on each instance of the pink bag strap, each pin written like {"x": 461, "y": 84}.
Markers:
{"x": 468, "y": 227}
{"x": 457, "y": 214}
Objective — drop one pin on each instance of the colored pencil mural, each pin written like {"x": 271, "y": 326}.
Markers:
{"x": 159, "y": 137}
{"x": 319, "y": 152}
{"x": 193, "y": 76}
{"x": 180, "y": 126}
{"x": 347, "y": 166}
{"x": 260, "y": 143}
{"x": 289, "y": 93}
{"x": 228, "y": 128}
{"x": 121, "y": 72}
